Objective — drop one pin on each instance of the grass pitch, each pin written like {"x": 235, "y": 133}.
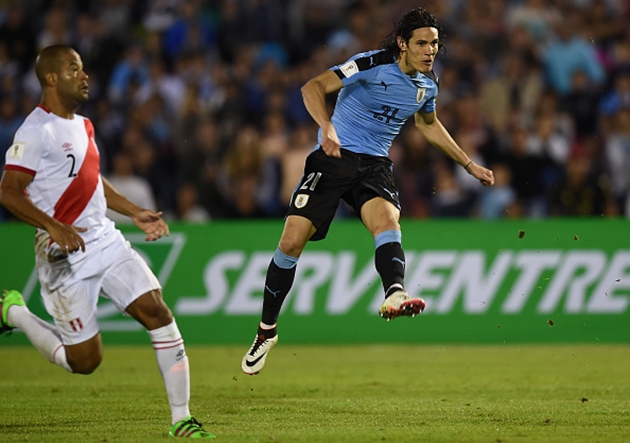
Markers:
{"x": 489, "y": 394}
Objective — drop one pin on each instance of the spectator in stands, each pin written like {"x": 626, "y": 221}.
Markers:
{"x": 496, "y": 202}
{"x": 188, "y": 208}
{"x": 580, "y": 191}
{"x": 199, "y": 158}
{"x": 190, "y": 31}
{"x": 450, "y": 199}
{"x": 17, "y": 33}
{"x": 56, "y": 30}
{"x": 135, "y": 188}
{"x": 537, "y": 17}
{"x": 526, "y": 171}
{"x": 239, "y": 62}
{"x": 241, "y": 173}
{"x": 581, "y": 104}
{"x": 570, "y": 52}
{"x": 517, "y": 87}
{"x": 131, "y": 70}
{"x": 618, "y": 97}
{"x": 10, "y": 121}
{"x": 617, "y": 150}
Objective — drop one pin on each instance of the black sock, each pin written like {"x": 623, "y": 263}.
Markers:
{"x": 389, "y": 260}
{"x": 267, "y": 333}
{"x": 277, "y": 285}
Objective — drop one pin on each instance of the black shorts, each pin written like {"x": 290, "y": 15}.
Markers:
{"x": 355, "y": 178}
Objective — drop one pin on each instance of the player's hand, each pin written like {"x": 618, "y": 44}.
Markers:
{"x": 67, "y": 237}
{"x": 484, "y": 175}
{"x": 330, "y": 142}
{"x": 151, "y": 223}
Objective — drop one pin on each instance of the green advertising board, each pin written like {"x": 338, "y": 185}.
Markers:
{"x": 516, "y": 281}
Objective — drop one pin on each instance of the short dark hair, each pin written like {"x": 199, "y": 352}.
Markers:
{"x": 415, "y": 19}
{"x": 50, "y": 60}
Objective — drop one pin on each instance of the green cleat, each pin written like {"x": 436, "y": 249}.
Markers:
{"x": 8, "y": 299}
{"x": 189, "y": 428}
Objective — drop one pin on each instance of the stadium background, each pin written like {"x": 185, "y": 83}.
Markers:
{"x": 198, "y": 112}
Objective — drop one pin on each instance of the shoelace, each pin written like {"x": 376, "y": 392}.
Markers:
{"x": 260, "y": 339}
{"x": 194, "y": 421}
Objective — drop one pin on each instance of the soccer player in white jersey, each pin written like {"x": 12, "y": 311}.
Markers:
{"x": 378, "y": 92}
{"x": 52, "y": 181}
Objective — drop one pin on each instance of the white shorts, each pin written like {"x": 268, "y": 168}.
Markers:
{"x": 110, "y": 268}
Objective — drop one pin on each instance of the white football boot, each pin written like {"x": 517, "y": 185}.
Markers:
{"x": 400, "y": 304}
{"x": 255, "y": 358}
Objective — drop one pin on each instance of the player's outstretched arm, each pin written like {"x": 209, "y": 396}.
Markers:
{"x": 438, "y": 136}
{"x": 13, "y": 196}
{"x": 314, "y": 96}
{"x": 149, "y": 221}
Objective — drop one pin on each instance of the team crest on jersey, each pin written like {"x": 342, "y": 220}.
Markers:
{"x": 349, "y": 69}
{"x": 16, "y": 151}
{"x": 301, "y": 200}
{"x": 420, "y": 94}
{"x": 76, "y": 324}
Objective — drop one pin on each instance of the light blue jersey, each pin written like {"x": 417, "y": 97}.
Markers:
{"x": 376, "y": 100}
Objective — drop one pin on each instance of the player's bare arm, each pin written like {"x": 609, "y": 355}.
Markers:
{"x": 13, "y": 196}
{"x": 314, "y": 95}
{"x": 149, "y": 221}
{"x": 436, "y": 134}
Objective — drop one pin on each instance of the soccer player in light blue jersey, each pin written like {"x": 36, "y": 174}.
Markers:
{"x": 378, "y": 91}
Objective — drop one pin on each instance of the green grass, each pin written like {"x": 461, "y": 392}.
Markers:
{"x": 489, "y": 394}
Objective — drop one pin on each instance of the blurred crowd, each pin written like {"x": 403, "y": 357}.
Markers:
{"x": 198, "y": 111}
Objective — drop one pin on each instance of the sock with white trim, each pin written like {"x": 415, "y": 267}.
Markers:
{"x": 173, "y": 363}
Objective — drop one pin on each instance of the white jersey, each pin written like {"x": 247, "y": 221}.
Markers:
{"x": 64, "y": 161}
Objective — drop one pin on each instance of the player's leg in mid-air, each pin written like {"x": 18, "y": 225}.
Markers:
{"x": 280, "y": 275}
{"x": 376, "y": 199}
{"x": 381, "y": 219}
{"x": 82, "y": 357}
{"x": 311, "y": 210}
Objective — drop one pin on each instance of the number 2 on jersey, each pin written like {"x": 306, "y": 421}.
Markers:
{"x": 314, "y": 177}
{"x": 72, "y": 173}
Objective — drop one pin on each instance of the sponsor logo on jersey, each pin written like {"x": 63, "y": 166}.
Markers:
{"x": 301, "y": 200}
{"x": 16, "y": 151}
{"x": 420, "y": 94}
{"x": 349, "y": 69}
{"x": 67, "y": 146}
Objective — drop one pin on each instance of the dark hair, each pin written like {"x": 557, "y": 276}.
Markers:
{"x": 415, "y": 19}
{"x": 50, "y": 60}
